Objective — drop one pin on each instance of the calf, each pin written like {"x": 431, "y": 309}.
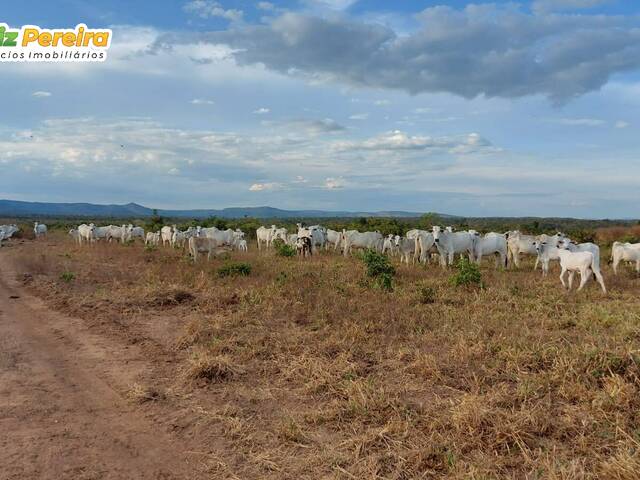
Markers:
{"x": 406, "y": 247}
{"x": 242, "y": 245}
{"x": 39, "y": 229}
{"x": 582, "y": 262}
{"x": 304, "y": 246}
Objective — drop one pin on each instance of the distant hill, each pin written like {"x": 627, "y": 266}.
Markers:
{"x": 13, "y": 208}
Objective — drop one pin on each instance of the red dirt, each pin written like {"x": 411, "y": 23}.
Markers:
{"x": 63, "y": 413}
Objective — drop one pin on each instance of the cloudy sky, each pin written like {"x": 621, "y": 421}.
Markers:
{"x": 503, "y": 108}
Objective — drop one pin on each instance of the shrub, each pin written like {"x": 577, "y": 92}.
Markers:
{"x": 379, "y": 268}
{"x": 233, "y": 269}
{"x": 468, "y": 274}
{"x": 67, "y": 276}
{"x": 427, "y": 295}
{"x": 282, "y": 249}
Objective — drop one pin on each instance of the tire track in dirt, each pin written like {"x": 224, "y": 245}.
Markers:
{"x": 61, "y": 415}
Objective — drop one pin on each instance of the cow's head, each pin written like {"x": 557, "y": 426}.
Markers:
{"x": 437, "y": 233}
{"x": 396, "y": 240}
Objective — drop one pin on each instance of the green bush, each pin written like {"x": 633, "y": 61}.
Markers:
{"x": 233, "y": 269}
{"x": 67, "y": 276}
{"x": 282, "y": 249}
{"x": 379, "y": 268}
{"x": 468, "y": 274}
{"x": 427, "y": 295}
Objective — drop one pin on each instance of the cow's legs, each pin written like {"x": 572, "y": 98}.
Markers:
{"x": 562, "y": 278}
{"x": 600, "y": 280}
{"x": 584, "y": 278}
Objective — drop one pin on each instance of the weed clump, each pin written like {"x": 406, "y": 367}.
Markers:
{"x": 282, "y": 249}
{"x": 467, "y": 275}
{"x": 67, "y": 276}
{"x": 379, "y": 269}
{"x": 233, "y": 269}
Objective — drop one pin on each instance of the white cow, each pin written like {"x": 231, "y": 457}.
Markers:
{"x": 389, "y": 244}
{"x": 152, "y": 238}
{"x": 86, "y": 233}
{"x": 268, "y": 235}
{"x": 242, "y": 245}
{"x": 292, "y": 239}
{"x": 519, "y": 244}
{"x": 178, "y": 239}
{"x": 201, "y": 245}
{"x": 39, "y": 229}
{"x": 546, "y": 253}
{"x": 7, "y": 231}
{"x": 491, "y": 243}
{"x": 586, "y": 247}
{"x": 134, "y": 232}
{"x": 425, "y": 244}
{"x": 166, "y": 233}
{"x": 582, "y": 262}
{"x": 225, "y": 238}
{"x": 406, "y": 247}
{"x": 354, "y": 239}
{"x": 75, "y": 234}
{"x": 333, "y": 238}
{"x": 101, "y": 232}
{"x": 450, "y": 243}
{"x": 625, "y": 252}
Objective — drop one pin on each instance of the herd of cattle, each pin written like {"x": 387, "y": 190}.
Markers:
{"x": 423, "y": 246}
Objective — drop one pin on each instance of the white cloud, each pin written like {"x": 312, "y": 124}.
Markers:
{"x": 261, "y": 111}
{"x": 332, "y": 4}
{"x": 259, "y": 187}
{"x": 266, "y": 6}
{"x": 622, "y": 124}
{"x": 359, "y": 116}
{"x": 201, "y": 101}
{"x": 333, "y": 183}
{"x": 210, "y": 8}
{"x": 545, "y": 6}
{"x": 381, "y": 103}
{"x": 41, "y": 94}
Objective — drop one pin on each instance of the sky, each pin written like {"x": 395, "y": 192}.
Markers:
{"x": 476, "y": 109}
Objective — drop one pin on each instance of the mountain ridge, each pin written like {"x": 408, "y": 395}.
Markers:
{"x": 15, "y": 208}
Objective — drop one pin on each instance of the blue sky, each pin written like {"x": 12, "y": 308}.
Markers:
{"x": 503, "y": 108}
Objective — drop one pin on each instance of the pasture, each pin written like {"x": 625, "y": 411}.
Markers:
{"x": 301, "y": 368}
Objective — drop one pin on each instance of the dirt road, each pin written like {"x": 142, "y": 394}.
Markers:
{"x": 63, "y": 413}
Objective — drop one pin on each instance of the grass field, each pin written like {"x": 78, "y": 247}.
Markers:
{"x": 302, "y": 369}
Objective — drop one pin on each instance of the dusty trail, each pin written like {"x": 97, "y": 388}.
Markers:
{"x": 61, "y": 413}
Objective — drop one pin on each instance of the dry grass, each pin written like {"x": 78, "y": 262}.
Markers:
{"x": 307, "y": 373}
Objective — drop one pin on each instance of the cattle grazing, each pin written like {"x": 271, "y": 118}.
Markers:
{"x": 582, "y": 262}
{"x": 39, "y": 229}
{"x": 133, "y": 233}
{"x": 152, "y": 238}
{"x": 519, "y": 244}
{"x": 315, "y": 233}
{"x": 406, "y": 248}
{"x": 388, "y": 244}
{"x": 450, "y": 243}
{"x": 201, "y": 245}
{"x": 268, "y": 235}
{"x": 625, "y": 252}
{"x": 86, "y": 233}
{"x": 242, "y": 245}
{"x": 304, "y": 246}
{"x": 354, "y": 239}
{"x": 7, "y": 231}
{"x": 491, "y": 244}
{"x": 333, "y": 238}
{"x": 75, "y": 234}
{"x": 166, "y": 233}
